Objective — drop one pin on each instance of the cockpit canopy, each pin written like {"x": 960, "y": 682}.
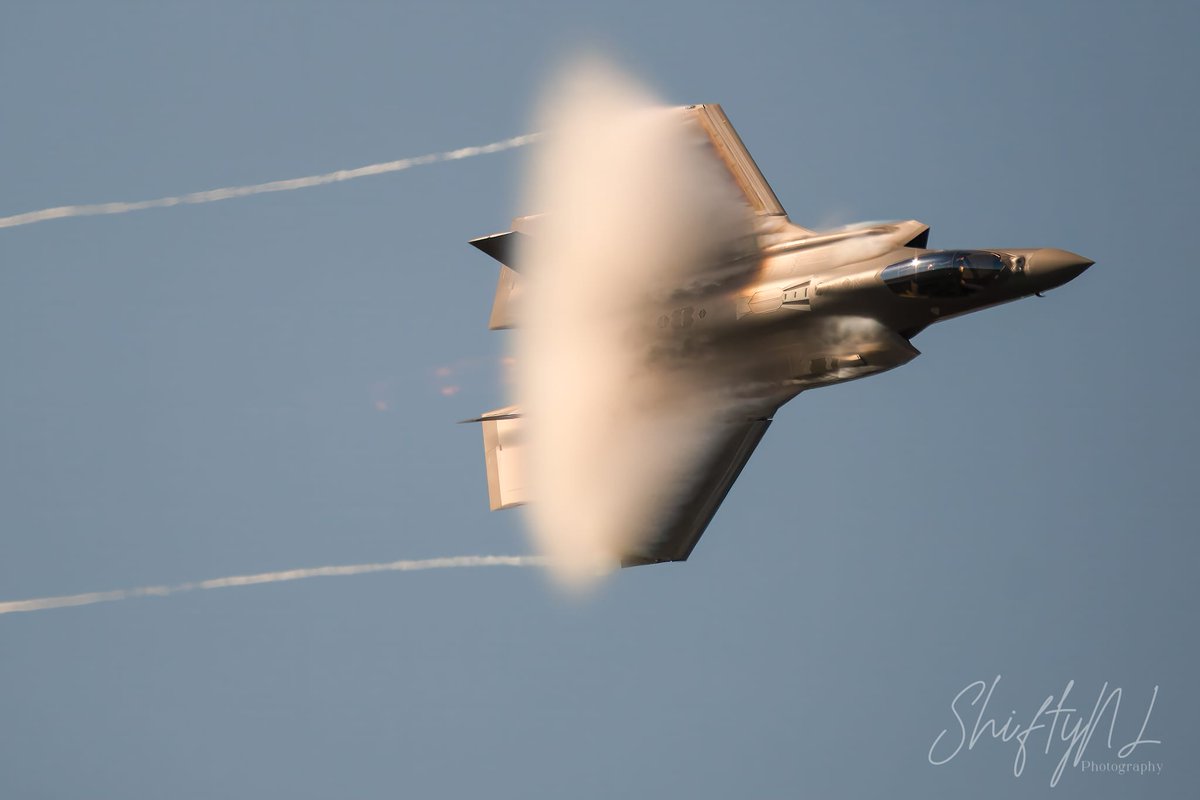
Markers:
{"x": 948, "y": 273}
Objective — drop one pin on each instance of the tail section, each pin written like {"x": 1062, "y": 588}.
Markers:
{"x": 505, "y": 248}
{"x": 502, "y": 454}
{"x": 504, "y": 305}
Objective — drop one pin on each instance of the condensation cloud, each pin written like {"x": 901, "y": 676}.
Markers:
{"x": 634, "y": 209}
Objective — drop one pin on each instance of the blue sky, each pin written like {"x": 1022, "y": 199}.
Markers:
{"x": 195, "y": 392}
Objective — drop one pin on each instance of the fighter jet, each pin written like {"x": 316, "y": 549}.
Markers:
{"x": 800, "y": 310}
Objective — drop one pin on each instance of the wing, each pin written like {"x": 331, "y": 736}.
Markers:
{"x": 733, "y": 154}
{"x": 684, "y": 523}
{"x": 726, "y": 147}
{"x": 692, "y": 513}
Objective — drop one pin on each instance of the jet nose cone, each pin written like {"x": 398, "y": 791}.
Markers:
{"x": 1052, "y": 267}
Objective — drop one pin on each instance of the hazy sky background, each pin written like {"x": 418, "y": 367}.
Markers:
{"x": 252, "y": 385}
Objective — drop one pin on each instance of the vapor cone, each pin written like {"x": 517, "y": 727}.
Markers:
{"x": 615, "y": 420}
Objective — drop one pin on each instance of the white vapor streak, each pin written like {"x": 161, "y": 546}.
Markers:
{"x": 230, "y": 192}
{"x": 65, "y": 601}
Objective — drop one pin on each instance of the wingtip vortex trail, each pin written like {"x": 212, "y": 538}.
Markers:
{"x": 286, "y": 185}
{"x": 408, "y": 565}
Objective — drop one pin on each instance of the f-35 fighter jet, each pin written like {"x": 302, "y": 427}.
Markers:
{"x": 809, "y": 309}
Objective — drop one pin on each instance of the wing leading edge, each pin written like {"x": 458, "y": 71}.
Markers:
{"x": 733, "y": 154}
{"x": 696, "y": 509}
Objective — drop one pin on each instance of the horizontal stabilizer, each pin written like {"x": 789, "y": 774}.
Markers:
{"x": 491, "y": 415}
{"x": 500, "y": 246}
{"x": 502, "y": 453}
{"x": 504, "y": 248}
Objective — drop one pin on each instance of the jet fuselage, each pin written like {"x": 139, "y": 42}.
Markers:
{"x": 843, "y": 304}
